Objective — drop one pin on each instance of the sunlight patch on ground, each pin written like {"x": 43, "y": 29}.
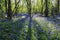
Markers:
{"x": 46, "y": 24}
{"x": 58, "y": 17}
{"x": 39, "y": 18}
{"x": 5, "y": 15}
{"x": 23, "y": 16}
{"x": 15, "y": 19}
{"x": 52, "y": 26}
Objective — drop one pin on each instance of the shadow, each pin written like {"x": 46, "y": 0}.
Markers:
{"x": 16, "y": 30}
{"x": 10, "y": 30}
{"x": 46, "y": 19}
{"x": 38, "y": 33}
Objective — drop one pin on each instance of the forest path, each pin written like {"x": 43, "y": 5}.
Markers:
{"x": 52, "y": 24}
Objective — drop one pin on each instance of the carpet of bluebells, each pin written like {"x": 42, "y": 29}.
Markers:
{"x": 42, "y": 28}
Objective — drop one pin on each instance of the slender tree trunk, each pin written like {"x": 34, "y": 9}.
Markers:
{"x": 15, "y": 6}
{"x": 46, "y": 8}
{"x": 6, "y": 5}
{"x": 42, "y": 7}
{"x": 52, "y": 13}
{"x": 58, "y": 6}
{"x": 9, "y": 14}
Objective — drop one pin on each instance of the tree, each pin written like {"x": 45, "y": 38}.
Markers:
{"x": 46, "y": 8}
{"x": 6, "y": 5}
{"x": 42, "y": 6}
{"x": 58, "y": 6}
{"x": 15, "y": 6}
{"x": 9, "y": 13}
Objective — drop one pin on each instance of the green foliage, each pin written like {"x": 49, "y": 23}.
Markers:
{"x": 10, "y": 30}
{"x": 36, "y": 6}
{"x": 18, "y": 30}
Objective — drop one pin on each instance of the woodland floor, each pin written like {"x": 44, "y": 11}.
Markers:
{"x": 19, "y": 26}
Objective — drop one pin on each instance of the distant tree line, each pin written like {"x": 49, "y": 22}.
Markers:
{"x": 9, "y": 11}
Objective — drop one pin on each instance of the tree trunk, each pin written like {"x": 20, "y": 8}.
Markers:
{"x": 42, "y": 7}
{"x": 15, "y": 6}
{"x": 58, "y": 6}
{"x": 9, "y": 14}
{"x": 6, "y": 6}
{"x": 46, "y": 8}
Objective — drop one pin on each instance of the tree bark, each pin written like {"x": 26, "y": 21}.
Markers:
{"x": 42, "y": 7}
{"x": 58, "y": 6}
{"x": 15, "y": 6}
{"x": 46, "y": 8}
{"x": 9, "y": 14}
{"x": 6, "y": 6}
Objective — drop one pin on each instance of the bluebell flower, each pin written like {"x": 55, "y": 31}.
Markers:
{"x": 1, "y": 38}
{"x": 13, "y": 36}
{"x": 49, "y": 37}
{"x": 28, "y": 37}
{"x": 2, "y": 29}
{"x": 22, "y": 20}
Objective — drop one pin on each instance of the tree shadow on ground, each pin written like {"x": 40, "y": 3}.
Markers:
{"x": 15, "y": 30}
{"x": 10, "y": 30}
